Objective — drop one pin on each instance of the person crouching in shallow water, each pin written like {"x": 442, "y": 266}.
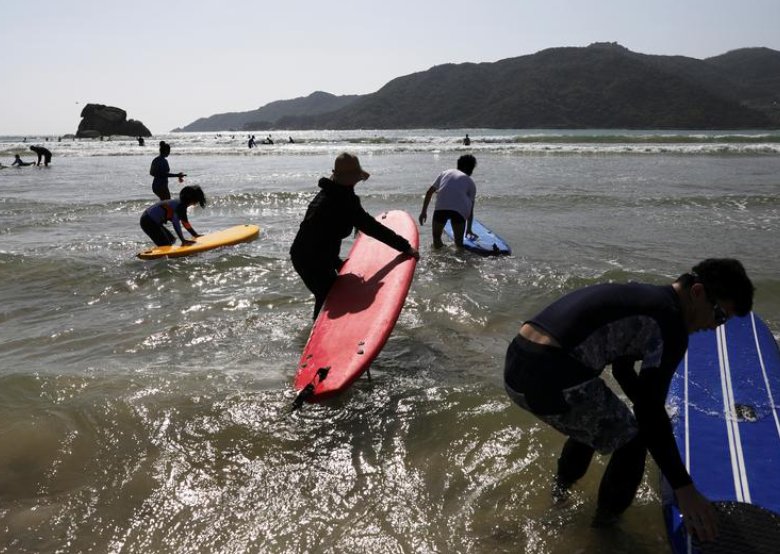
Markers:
{"x": 553, "y": 369}
{"x": 331, "y": 217}
{"x": 156, "y": 216}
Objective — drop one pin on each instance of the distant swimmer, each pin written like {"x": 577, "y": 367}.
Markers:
{"x": 455, "y": 195}
{"x": 20, "y": 163}
{"x": 157, "y": 215}
{"x": 290, "y": 140}
{"x": 268, "y": 140}
{"x": 467, "y": 140}
{"x": 251, "y": 142}
{"x": 141, "y": 141}
{"x": 160, "y": 170}
{"x": 43, "y": 153}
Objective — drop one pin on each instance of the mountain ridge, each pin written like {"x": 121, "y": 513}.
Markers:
{"x": 603, "y": 85}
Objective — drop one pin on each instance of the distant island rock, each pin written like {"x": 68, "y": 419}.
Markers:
{"x": 100, "y": 121}
{"x": 601, "y": 86}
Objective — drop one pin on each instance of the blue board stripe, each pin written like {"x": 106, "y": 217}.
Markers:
{"x": 738, "y": 470}
{"x": 710, "y": 465}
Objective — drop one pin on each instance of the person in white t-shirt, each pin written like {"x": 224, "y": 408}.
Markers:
{"x": 455, "y": 194}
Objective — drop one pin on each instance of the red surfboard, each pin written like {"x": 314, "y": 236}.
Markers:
{"x": 359, "y": 313}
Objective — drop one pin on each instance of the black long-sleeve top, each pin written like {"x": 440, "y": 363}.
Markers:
{"x": 619, "y": 324}
{"x": 331, "y": 217}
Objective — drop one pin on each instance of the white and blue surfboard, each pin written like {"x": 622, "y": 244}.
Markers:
{"x": 487, "y": 242}
{"x": 724, "y": 400}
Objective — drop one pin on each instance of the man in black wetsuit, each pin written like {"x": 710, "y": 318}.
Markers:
{"x": 331, "y": 217}
{"x": 43, "y": 154}
{"x": 553, "y": 366}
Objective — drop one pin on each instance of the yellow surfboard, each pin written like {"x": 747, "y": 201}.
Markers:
{"x": 225, "y": 237}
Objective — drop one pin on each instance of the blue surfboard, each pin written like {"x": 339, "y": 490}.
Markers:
{"x": 725, "y": 405}
{"x": 487, "y": 242}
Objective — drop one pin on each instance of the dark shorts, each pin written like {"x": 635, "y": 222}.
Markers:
{"x": 442, "y": 216}
{"x": 567, "y": 396}
{"x": 158, "y": 233}
{"x": 161, "y": 190}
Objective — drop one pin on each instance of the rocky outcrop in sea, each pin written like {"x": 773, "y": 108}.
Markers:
{"x": 100, "y": 121}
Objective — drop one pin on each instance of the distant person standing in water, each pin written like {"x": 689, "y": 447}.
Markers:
{"x": 467, "y": 140}
{"x": 141, "y": 141}
{"x": 160, "y": 170}
{"x": 43, "y": 153}
{"x": 251, "y": 142}
{"x": 455, "y": 195}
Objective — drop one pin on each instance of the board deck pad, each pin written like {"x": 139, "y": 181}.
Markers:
{"x": 724, "y": 404}
{"x": 487, "y": 242}
{"x": 225, "y": 237}
{"x": 359, "y": 312}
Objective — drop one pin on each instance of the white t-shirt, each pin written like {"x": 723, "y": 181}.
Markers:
{"x": 455, "y": 191}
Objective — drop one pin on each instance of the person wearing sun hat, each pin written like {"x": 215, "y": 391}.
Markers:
{"x": 331, "y": 216}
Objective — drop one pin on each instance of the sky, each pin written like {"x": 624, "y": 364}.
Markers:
{"x": 170, "y": 62}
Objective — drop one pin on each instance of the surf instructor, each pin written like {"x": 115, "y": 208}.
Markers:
{"x": 331, "y": 217}
{"x": 553, "y": 369}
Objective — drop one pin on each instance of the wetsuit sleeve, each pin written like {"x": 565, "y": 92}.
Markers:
{"x": 652, "y": 386}
{"x": 181, "y": 212}
{"x": 363, "y": 221}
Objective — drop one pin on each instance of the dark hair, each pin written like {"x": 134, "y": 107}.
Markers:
{"x": 192, "y": 194}
{"x": 467, "y": 163}
{"x": 164, "y": 146}
{"x": 723, "y": 279}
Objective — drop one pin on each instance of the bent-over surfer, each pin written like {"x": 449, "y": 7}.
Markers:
{"x": 156, "y": 216}
{"x": 553, "y": 369}
{"x": 331, "y": 217}
{"x": 455, "y": 195}
{"x": 43, "y": 154}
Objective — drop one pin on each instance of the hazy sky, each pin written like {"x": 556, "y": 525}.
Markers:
{"x": 169, "y": 62}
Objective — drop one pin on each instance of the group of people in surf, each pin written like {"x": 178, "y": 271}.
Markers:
{"x": 44, "y": 155}
{"x": 554, "y": 363}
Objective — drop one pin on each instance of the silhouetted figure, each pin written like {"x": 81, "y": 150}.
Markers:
{"x": 251, "y": 142}
{"x": 141, "y": 141}
{"x": 467, "y": 140}
{"x": 290, "y": 140}
{"x": 19, "y": 162}
{"x": 43, "y": 154}
{"x": 268, "y": 140}
{"x": 160, "y": 170}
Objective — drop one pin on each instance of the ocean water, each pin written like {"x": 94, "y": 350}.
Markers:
{"x": 145, "y": 406}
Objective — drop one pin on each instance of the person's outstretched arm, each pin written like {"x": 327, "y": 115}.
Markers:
{"x": 424, "y": 212}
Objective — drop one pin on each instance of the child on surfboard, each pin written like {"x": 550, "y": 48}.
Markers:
{"x": 331, "y": 217}
{"x": 156, "y": 216}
